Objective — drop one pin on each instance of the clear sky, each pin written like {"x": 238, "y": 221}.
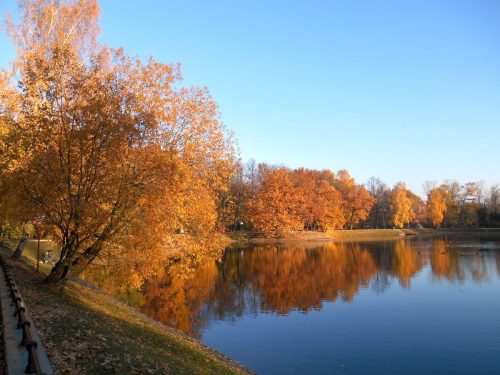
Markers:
{"x": 403, "y": 90}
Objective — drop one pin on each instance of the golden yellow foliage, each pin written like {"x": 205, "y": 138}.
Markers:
{"x": 401, "y": 206}
{"x": 406, "y": 262}
{"x": 436, "y": 204}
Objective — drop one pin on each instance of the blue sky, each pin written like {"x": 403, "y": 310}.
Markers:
{"x": 403, "y": 90}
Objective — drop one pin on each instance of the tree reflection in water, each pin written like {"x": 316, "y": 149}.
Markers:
{"x": 279, "y": 279}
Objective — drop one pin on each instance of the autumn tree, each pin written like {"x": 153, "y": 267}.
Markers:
{"x": 305, "y": 181}
{"x": 14, "y": 217}
{"x": 419, "y": 208}
{"x": 321, "y": 207}
{"x": 401, "y": 206}
{"x": 357, "y": 201}
{"x": 112, "y": 154}
{"x": 228, "y": 201}
{"x": 275, "y": 208}
{"x": 467, "y": 205}
{"x": 328, "y": 207}
{"x": 436, "y": 203}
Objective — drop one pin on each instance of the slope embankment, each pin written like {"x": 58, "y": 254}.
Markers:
{"x": 85, "y": 331}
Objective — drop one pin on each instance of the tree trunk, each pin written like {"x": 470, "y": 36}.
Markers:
{"x": 71, "y": 259}
{"x": 61, "y": 270}
{"x": 21, "y": 245}
{"x": 58, "y": 273}
{"x": 351, "y": 220}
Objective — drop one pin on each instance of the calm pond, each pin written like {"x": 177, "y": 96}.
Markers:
{"x": 408, "y": 306}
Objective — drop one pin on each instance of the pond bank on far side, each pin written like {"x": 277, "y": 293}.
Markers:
{"x": 355, "y": 235}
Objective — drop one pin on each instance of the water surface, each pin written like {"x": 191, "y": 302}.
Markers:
{"x": 409, "y": 306}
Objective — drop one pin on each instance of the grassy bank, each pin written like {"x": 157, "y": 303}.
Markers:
{"x": 337, "y": 235}
{"x": 87, "y": 332}
{"x": 358, "y": 235}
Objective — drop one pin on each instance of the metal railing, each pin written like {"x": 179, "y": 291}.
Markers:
{"x": 33, "y": 366}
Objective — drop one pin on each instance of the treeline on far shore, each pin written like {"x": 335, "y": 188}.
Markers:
{"x": 276, "y": 200}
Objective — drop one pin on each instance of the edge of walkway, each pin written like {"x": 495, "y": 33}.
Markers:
{"x": 15, "y": 354}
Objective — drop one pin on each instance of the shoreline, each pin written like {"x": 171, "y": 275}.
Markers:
{"x": 240, "y": 238}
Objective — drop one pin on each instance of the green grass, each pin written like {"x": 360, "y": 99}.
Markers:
{"x": 29, "y": 253}
{"x": 87, "y": 332}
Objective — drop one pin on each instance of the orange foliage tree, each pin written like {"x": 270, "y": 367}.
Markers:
{"x": 322, "y": 204}
{"x": 113, "y": 155}
{"x": 401, "y": 206}
{"x": 275, "y": 208}
{"x": 316, "y": 199}
{"x": 357, "y": 201}
{"x": 436, "y": 204}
